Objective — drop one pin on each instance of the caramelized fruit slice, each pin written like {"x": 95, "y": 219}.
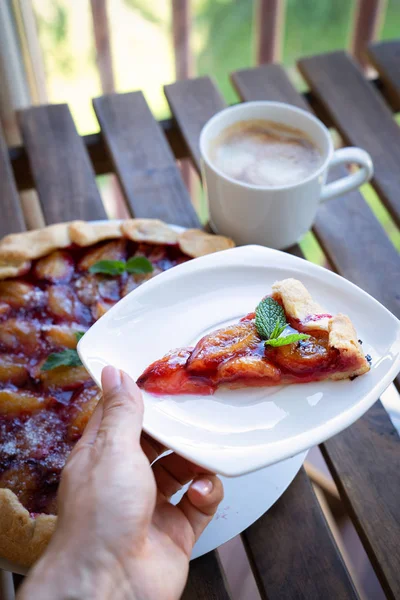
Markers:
{"x": 13, "y": 370}
{"x": 62, "y": 336}
{"x": 65, "y": 378}
{"x": 64, "y": 304}
{"x": 4, "y": 309}
{"x": 100, "y": 308}
{"x": 17, "y": 334}
{"x": 234, "y": 340}
{"x": 56, "y": 267}
{"x": 304, "y": 357}
{"x": 85, "y": 404}
{"x": 248, "y": 367}
{"x": 15, "y": 402}
{"x": 110, "y": 251}
{"x": 169, "y": 376}
{"x": 133, "y": 281}
{"x": 23, "y": 481}
{"x": 90, "y": 287}
{"x": 19, "y": 294}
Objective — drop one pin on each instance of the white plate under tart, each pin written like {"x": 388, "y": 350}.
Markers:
{"x": 237, "y": 431}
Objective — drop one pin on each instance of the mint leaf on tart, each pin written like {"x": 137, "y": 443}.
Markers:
{"x": 65, "y": 358}
{"x": 108, "y": 267}
{"x": 286, "y": 339}
{"x": 136, "y": 264}
{"x": 139, "y": 265}
{"x": 270, "y": 317}
{"x": 271, "y": 322}
{"x": 79, "y": 335}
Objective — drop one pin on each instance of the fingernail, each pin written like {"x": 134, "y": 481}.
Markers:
{"x": 111, "y": 377}
{"x": 203, "y": 486}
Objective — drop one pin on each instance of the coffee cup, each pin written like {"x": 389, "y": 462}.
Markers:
{"x": 272, "y": 197}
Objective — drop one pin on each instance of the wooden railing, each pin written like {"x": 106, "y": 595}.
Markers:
{"x": 269, "y": 28}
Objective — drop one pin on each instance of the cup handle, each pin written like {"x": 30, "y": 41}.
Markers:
{"x": 353, "y": 180}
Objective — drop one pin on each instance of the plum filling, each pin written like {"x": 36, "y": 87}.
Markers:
{"x": 236, "y": 356}
{"x": 43, "y": 413}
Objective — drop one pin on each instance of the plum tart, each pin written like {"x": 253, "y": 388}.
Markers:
{"x": 54, "y": 284}
{"x": 288, "y": 339}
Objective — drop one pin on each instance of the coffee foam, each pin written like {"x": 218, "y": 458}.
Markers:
{"x": 265, "y": 153}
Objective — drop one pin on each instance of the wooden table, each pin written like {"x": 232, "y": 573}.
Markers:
{"x": 291, "y": 549}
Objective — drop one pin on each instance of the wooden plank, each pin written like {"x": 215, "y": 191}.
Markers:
{"x": 192, "y": 103}
{"x": 269, "y": 25}
{"x": 370, "y": 482}
{"x": 292, "y": 552}
{"x": 142, "y": 159}
{"x": 362, "y": 117}
{"x": 61, "y": 168}
{"x": 101, "y": 32}
{"x": 97, "y": 152}
{"x": 12, "y": 219}
{"x": 206, "y": 580}
{"x": 369, "y": 15}
{"x": 385, "y": 57}
{"x": 359, "y": 249}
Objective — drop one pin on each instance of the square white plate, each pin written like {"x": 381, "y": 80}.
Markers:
{"x": 238, "y": 431}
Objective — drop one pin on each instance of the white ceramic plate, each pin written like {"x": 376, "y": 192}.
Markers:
{"x": 238, "y": 431}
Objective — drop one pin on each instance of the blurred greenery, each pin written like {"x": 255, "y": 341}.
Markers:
{"x": 222, "y": 38}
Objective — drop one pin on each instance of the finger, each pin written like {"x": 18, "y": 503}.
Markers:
{"x": 201, "y": 501}
{"x": 122, "y": 404}
{"x": 90, "y": 432}
{"x": 171, "y": 472}
{"x": 151, "y": 447}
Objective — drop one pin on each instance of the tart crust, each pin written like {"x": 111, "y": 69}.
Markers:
{"x": 23, "y": 538}
{"x": 17, "y": 249}
{"x": 299, "y": 305}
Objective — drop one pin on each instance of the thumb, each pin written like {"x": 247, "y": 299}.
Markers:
{"x": 122, "y": 403}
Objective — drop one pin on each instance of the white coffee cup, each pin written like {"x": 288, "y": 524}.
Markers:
{"x": 274, "y": 216}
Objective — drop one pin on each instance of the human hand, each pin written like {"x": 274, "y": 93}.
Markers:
{"x": 117, "y": 533}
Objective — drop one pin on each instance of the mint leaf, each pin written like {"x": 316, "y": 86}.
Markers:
{"x": 270, "y": 316}
{"x": 278, "y": 329}
{"x": 108, "y": 267}
{"x": 286, "y": 339}
{"x": 139, "y": 265}
{"x": 66, "y": 358}
{"x": 79, "y": 335}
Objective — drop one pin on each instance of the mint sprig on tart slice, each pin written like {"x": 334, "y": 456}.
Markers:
{"x": 271, "y": 322}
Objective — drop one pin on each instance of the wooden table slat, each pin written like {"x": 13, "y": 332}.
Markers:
{"x": 359, "y": 249}
{"x": 385, "y": 57}
{"x": 12, "y": 218}
{"x": 300, "y": 559}
{"x": 60, "y": 165}
{"x": 362, "y": 117}
{"x": 370, "y": 482}
{"x": 143, "y": 160}
{"x": 193, "y": 102}
{"x": 206, "y": 580}
{"x": 191, "y": 119}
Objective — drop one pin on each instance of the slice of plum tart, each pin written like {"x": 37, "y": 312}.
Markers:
{"x": 288, "y": 339}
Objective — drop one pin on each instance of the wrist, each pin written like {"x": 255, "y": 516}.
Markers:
{"x": 65, "y": 572}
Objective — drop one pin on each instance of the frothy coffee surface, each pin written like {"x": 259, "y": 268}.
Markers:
{"x": 265, "y": 153}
